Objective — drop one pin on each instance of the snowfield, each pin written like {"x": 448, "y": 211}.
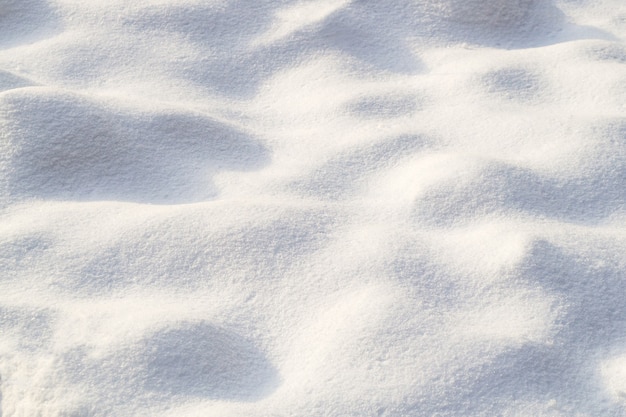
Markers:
{"x": 312, "y": 208}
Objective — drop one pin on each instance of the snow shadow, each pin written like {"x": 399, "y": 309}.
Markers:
{"x": 66, "y": 147}
{"x": 423, "y": 280}
{"x": 9, "y": 81}
{"x": 238, "y": 25}
{"x": 384, "y": 106}
{"x": 564, "y": 373}
{"x": 499, "y": 188}
{"x": 342, "y": 176}
{"x": 26, "y": 21}
{"x": 375, "y": 33}
{"x": 181, "y": 362}
{"x": 514, "y": 84}
{"x": 508, "y": 24}
{"x": 591, "y": 327}
{"x": 378, "y": 36}
{"x": 202, "y": 360}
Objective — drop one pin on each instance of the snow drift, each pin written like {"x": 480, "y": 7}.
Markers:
{"x": 321, "y": 208}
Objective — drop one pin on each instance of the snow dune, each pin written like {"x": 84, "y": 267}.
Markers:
{"x": 320, "y": 208}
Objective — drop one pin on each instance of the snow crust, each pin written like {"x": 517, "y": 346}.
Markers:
{"x": 312, "y": 208}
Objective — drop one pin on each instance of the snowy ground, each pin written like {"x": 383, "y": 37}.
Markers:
{"x": 312, "y": 208}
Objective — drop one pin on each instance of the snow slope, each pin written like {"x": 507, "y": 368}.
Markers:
{"x": 312, "y": 208}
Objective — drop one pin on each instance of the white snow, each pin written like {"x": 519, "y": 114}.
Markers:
{"x": 312, "y": 208}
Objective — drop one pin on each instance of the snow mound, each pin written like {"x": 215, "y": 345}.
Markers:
{"x": 504, "y": 22}
{"x": 312, "y": 207}
{"x": 489, "y": 14}
{"x": 67, "y": 146}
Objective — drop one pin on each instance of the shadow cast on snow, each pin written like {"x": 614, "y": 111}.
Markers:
{"x": 373, "y": 35}
{"x": 26, "y": 21}
{"x": 565, "y": 372}
{"x": 188, "y": 360}
{"x": 501, "y": 188}
{"x": 199, "y": 359}
{"x": 68, "y": 148}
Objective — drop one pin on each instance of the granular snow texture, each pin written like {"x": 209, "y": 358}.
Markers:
{"x": 312, "y": 208}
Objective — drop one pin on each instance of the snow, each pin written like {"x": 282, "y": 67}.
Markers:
{"x": 320, "y": 208}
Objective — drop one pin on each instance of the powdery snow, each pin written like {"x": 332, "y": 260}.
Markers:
{"x": 312, "y": 208}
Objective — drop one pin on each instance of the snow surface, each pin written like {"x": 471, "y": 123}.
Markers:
{"x": 312, "y": 208}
